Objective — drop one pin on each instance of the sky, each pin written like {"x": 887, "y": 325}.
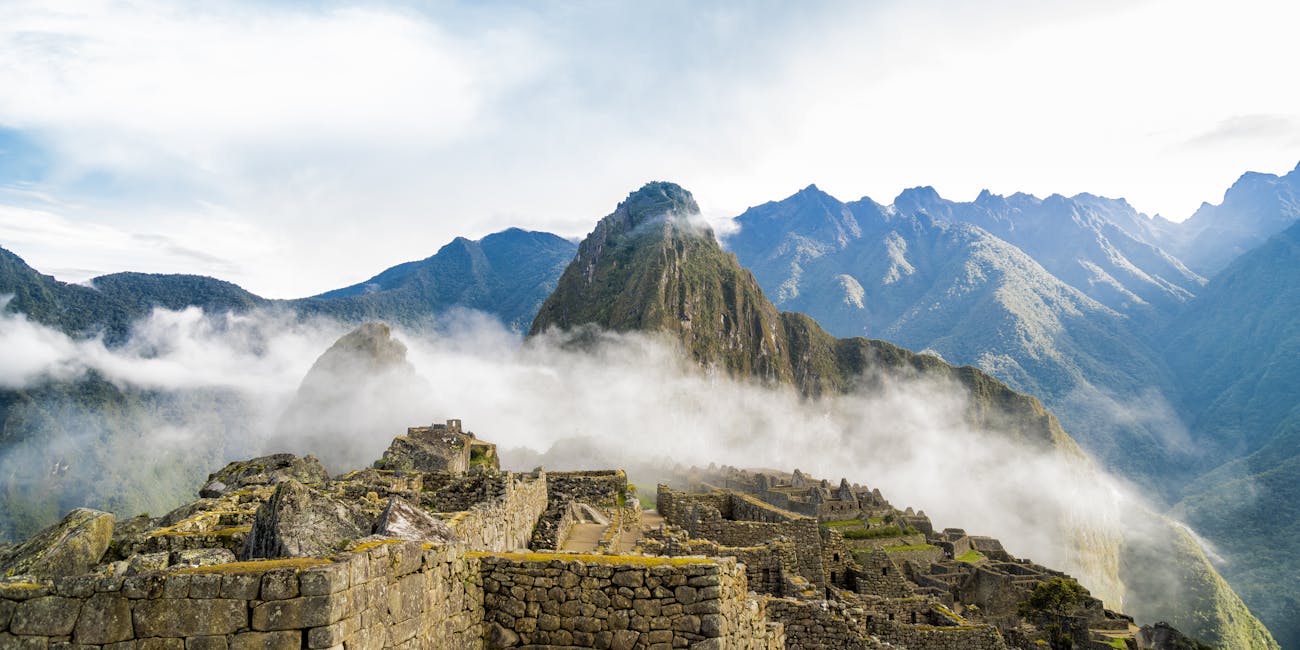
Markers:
{"x": 297, "y": 147}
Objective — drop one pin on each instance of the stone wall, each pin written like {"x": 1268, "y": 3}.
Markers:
{"x": 811, "y": 626}
{"x": 739, "y": 520}
{"x": 505, "y": 522}
{"x": 598, "y": 488}
{"x": 385, "y": 596}
{"x": 592, "y": 601}
{"x": 880, "y": 576}
{"x": 927, "y": 637}
{"x": 765, "y": 566}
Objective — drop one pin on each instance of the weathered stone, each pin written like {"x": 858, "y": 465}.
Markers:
{"x": 201, "y": 557}
{"x": 298, "y": 521}
{"x": 333, "y": 634}
{"x": 45, "y": 616}
{"x": 176, "y": 586}
{"x": 323, "y": 580}
{"x": 71, "y": 547}
{"x": 265, "y": 470}
{"x": 240, "y": 586}
{"x": 76, "y": 586}
{"x": 149, "y": 585}
{"x": 160, "y": 644}
{"x": 8, "y": 641}
{"x": 105, "y": 618}
{"x": 205, "y": 585}
{"x": 186, "y": 617}
{"x": 402, "y": 520}
{"x": 280, "y": 584}
{"x": 301, "y": 613}
{"x": 206, "y": 643}
{"x": 287, "y": 640}
{"x": 145, "y": 563}
{"x": 624, "y": 640}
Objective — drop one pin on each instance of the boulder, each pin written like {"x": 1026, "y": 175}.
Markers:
{"x": 1162, "y": 636}
{"x": 71, "y": 547}
{"x": 298, "y": 521}
{"x": 402, "y": 520}
{"x": 266, "y": 470}
{"x": 201, "y": 557}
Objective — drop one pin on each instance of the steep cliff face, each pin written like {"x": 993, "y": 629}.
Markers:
{"x": 653, "y": 265}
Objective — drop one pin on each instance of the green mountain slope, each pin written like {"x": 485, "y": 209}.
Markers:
{"x": 1237, "y": 347}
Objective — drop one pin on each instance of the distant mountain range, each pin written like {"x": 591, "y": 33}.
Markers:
{"x": 1169, "y": 350}
{"x": 506, "y": 274}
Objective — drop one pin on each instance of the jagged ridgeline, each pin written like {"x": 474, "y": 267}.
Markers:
{"x": 653, "y": 265}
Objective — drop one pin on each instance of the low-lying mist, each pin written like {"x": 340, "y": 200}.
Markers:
{"x": 200, "y": 390}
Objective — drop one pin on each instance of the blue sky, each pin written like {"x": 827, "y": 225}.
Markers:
{"x": 298, "y": 147}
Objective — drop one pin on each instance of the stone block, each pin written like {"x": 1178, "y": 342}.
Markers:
{"x": 301, "y": 613}
{"x": 45, "y": 616}
{"x": 184, "y": 617}
{"x": 160, "y": 644}
{"x": 206, "y": 585}
{"x": 105, "y": 618}
{"x": 624, "y": 640}
{"x": 334, "y": 634}
{"x": 75, "y": 586}
{"x": 240, "y": 586}
{"x": 280, "y": 584}
{"x": 323, "y": 580}
{"x": 149, "y": 585}
{"x": 207, "y": 643}
{"x": 286, "y": 640}
{"x": 176, "y": 586}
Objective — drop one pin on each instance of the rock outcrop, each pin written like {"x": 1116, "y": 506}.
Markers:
{"x": 71, "y": 547}
{"x": 298, "y": 521}
{"x": 401, "y": 520}
{"x": 265, "y": 470}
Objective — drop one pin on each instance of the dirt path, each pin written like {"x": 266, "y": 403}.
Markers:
{"x": 583, "y": 537}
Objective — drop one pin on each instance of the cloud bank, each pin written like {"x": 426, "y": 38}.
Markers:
{"x": 211, "y": 389}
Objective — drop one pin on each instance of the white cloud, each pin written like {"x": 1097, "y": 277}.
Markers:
{"x": 354, "y": 138}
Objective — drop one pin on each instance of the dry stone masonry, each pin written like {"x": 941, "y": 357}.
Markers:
{"x": 435, "y": 547}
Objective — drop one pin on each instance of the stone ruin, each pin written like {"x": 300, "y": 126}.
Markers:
{"x": 436, "y": 547}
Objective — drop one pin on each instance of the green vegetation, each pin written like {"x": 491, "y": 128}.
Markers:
{"x": 908, "y": 547}
{"x": 1050, "y": 603}
{"x": 646, "y": 495}
{"x": 846, "y": 523}
{"x": 879, "y": 533}
{"x": 971, "y": 557}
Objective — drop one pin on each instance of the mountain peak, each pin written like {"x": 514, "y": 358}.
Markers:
{"x": 919, "y": 194}
{"x": 656, "y": 198}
